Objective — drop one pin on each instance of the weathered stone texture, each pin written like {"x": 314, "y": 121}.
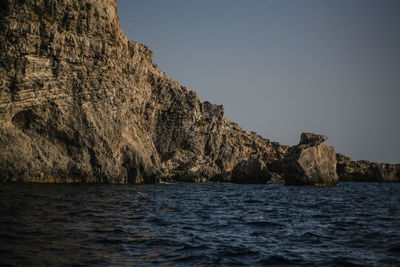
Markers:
{"x": 366, "y": 171}
{"x": 251, "y": 171}
{"x": 81, "y": 103}
{"x": 310, "y": 164}
{"x": 312, "y": 139}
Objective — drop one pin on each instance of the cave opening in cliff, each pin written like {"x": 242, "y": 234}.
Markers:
{"x": 23, "y": 119}
{"x": 132, "y": 175}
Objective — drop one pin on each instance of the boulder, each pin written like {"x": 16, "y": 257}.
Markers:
{"x": 312, "y": 139}
{"x": 310, "y": 164}
{"x": 252, "y": 171}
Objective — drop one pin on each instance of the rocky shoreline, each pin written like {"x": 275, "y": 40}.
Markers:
{"x": 81, "y": 103}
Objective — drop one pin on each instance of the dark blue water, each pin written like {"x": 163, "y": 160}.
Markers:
{"x": 200, "y": 224}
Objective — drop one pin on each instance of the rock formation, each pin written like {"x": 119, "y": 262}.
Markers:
{"x": 252, "y": 171}
{"x": 366, "y": 171}
{"x": 312, "y": 139}
{"x": 310, "y": 162}
{"x": 81, "y": 103}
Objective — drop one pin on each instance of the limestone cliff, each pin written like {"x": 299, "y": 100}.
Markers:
{"x": 81, "y": 103}
{"x": 366, "y": 171}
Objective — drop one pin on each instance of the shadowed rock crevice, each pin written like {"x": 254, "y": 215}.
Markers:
{"x": 252, "y": 171}
{"x": 4, "y": 7}
{"x": 23, "y": 119}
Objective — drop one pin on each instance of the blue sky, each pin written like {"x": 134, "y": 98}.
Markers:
{"x": 283, "y": 67}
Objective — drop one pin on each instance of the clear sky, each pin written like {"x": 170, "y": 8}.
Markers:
{"x": 281, "y": 67}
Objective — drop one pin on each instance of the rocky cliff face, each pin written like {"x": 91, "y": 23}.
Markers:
{"x": 366, "y": 171}
{"x": 81, "y": 103}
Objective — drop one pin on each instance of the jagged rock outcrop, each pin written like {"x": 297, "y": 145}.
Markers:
{"x": 81, "y": 103}
{"x": 366, "y": 171}
{"x": 310, "y": 162}
{"x": 312, "y": 139}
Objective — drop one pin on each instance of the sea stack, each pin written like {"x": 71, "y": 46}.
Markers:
{"x": 310, "y": 162}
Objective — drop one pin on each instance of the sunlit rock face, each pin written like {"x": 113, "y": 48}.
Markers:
{"x": 310, "y": 162}
{"x": 81, "y": 103}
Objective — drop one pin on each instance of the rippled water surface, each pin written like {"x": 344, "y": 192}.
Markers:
{"x": 200, "y": 224}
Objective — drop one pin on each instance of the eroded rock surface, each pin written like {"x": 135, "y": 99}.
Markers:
{"x": 366, "y": 171}
{"x": 310, "y": 163}
{"x": 81, "y": 103}
{"x": 312, "y": 139}
{"x": 251, "y": 171}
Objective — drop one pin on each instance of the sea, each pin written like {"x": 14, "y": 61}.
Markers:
{"x": 199, "y": 224}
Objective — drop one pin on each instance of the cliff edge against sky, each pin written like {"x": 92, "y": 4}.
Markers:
{"x": 81, "y": 103}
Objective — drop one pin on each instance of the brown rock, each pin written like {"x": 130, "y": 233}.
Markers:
{"x": 81, "y": 103}
{"x": 310, "y": 165}
{"x": 252, "y": 171}
{"x": 366, "y": 171}
{"x": 312, "y": 139}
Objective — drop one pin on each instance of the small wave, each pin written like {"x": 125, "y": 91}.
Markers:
{"x": 188, "y": 246}
{"x": 109, "y": 241}
{"x": 264, "y": 224}
{"x": 169, "y": 209}
{"x": 277, "y": 260}
{"x": 253, "y": 201}
{"x": 189, "y": 228}
{"x": 8, "y": 237}
{"x": 158, "y": 221}
{"x": 114, "y": 231}
{"x": 256, "y": 233}
{"x": 162, "y": 242}
{"x": 60, "y": 220}
{"x": 192, "y": 259}
{"x": 346, "y": 262}
{"x": 394, "y": 250}
{"x": 236, "y": 251}
{"x": 321, "y": 216}
{"x": 310, "y": 235}
{"x": 204, "y": 216}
